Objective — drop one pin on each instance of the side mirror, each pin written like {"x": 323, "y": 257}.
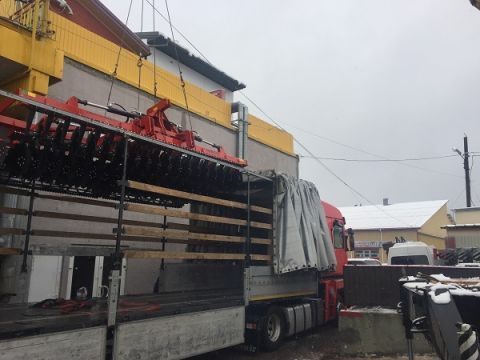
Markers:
{"x": 351, "y": 239}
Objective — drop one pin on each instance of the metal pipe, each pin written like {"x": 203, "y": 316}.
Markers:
{"x": 466, "y": 167}
{"x": 109, "y": 108}
{"x": 410, "y": 349}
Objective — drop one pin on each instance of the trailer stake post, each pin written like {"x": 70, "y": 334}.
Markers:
{"x": 246, "y": 266}
{"x": 248, "y": 239}
{"x": 115, "y": 277}
{"x": 26, "y": 245}
{"x": 164, "y": 239}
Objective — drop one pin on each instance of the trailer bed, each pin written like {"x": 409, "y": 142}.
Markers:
{"x": 18, "y": 320}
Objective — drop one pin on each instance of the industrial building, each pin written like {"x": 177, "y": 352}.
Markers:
{"x": 376, "y": 225}
{"x": 465, "y": 232}
{"x": 83, "y": 50}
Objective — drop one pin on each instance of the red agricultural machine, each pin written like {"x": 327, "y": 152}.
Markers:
{"x": 64, "y": 147}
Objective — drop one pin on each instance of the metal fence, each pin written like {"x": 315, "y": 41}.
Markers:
{"x": 378, "y": 285}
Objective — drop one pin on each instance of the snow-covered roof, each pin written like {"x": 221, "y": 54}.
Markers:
{"x": 396, "y": 216}
{"x": 461, "y": 226}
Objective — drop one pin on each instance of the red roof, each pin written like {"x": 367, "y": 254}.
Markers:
{"x": 96, "y": 17}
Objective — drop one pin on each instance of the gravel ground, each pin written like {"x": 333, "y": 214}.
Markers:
{"x": 322, "y": 344}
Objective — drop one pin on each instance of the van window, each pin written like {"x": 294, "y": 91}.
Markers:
{"x": 410, "y": 260}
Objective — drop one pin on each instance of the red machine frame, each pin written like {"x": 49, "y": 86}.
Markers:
{"x": 153, "y": 124}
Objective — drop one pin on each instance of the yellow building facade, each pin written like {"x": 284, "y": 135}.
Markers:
{"x": 378, "y": 226}
{"x": 465, "y": 233}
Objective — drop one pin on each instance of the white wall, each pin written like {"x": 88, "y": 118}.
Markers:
{"x": 45, "y": 278}
{"x": 166, "y": 62}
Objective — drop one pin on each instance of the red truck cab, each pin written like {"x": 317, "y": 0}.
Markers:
{"x": 331, "y": 283}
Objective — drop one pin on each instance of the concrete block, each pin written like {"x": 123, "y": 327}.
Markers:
{"x": 376, "y": 331}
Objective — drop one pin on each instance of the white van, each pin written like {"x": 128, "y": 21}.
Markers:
{"x": 411, "y": 253}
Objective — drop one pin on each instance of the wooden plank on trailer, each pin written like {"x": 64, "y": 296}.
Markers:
{"x": 131, "y": 230}
{"x": 78, "y": 200}
{"x": 148, "y": 209}
{"x": 11, "y": 231}
{"x": 74, "y": 199}
{"x": 72, "y": 234}
{"x": 177, "y": 255}
{"x": 110, "y": 237}
{"x": 195, "y": 197}
{"x": 12, "y": 211}
{"x": 79, "y": 217}
{"x": 10, "y": 251}
{"x": 99, "y": 219}
{"x": 14, "y": 191}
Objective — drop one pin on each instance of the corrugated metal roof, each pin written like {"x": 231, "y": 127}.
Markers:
{"x": 166, "y": 45}
{"x": 395, "y": 216}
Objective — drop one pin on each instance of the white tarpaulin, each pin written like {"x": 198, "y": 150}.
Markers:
{"x": 302, "y": 236}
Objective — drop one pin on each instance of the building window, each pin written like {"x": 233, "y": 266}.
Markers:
{"x": 367, "y": 253}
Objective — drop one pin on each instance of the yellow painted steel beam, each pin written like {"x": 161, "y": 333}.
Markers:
{"x": 39, "y": 61}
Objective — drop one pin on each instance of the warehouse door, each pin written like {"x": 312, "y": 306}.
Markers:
{"x": 82, "y": 274}
{"x": 93, "y": 273}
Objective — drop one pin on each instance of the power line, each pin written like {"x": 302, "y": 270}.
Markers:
{"x": 180, "y": 74}
{"x": 355, "y": 191}
{"x": 345, "y": 145}
{"x": 379, "y": 160}
{"x": 154, "y": 54}
{"x": 179, "y": 32}
{"x": 114, "y": 73}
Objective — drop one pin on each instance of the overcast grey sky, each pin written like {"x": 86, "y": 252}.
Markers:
{"x": 398, "y": 79}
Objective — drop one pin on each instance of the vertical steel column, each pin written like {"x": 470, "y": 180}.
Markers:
{"x": 117, "y": 256}
{"x": 28, "y": 232}
{"x": 242, "y": 128}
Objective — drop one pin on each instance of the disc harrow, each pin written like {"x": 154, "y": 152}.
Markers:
{"x": 63, "y": 147}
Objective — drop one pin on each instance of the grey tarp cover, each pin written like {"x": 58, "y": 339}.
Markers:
{"x": 302, "y": 236}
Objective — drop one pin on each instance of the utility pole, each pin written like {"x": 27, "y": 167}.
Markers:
{"x": 466, "y": 166}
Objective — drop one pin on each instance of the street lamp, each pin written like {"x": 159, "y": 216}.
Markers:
{"x": 454, "y": 149}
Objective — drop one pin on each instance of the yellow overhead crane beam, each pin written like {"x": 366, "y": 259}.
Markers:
{"x": 32, "y": 55}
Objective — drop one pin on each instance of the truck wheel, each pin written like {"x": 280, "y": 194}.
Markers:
{"x": 273, "y": 330}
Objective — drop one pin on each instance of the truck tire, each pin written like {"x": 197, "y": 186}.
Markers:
{"x": 273, "y": 329}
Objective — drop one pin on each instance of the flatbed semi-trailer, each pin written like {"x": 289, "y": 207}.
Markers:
{"x": 252, "y": 305}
